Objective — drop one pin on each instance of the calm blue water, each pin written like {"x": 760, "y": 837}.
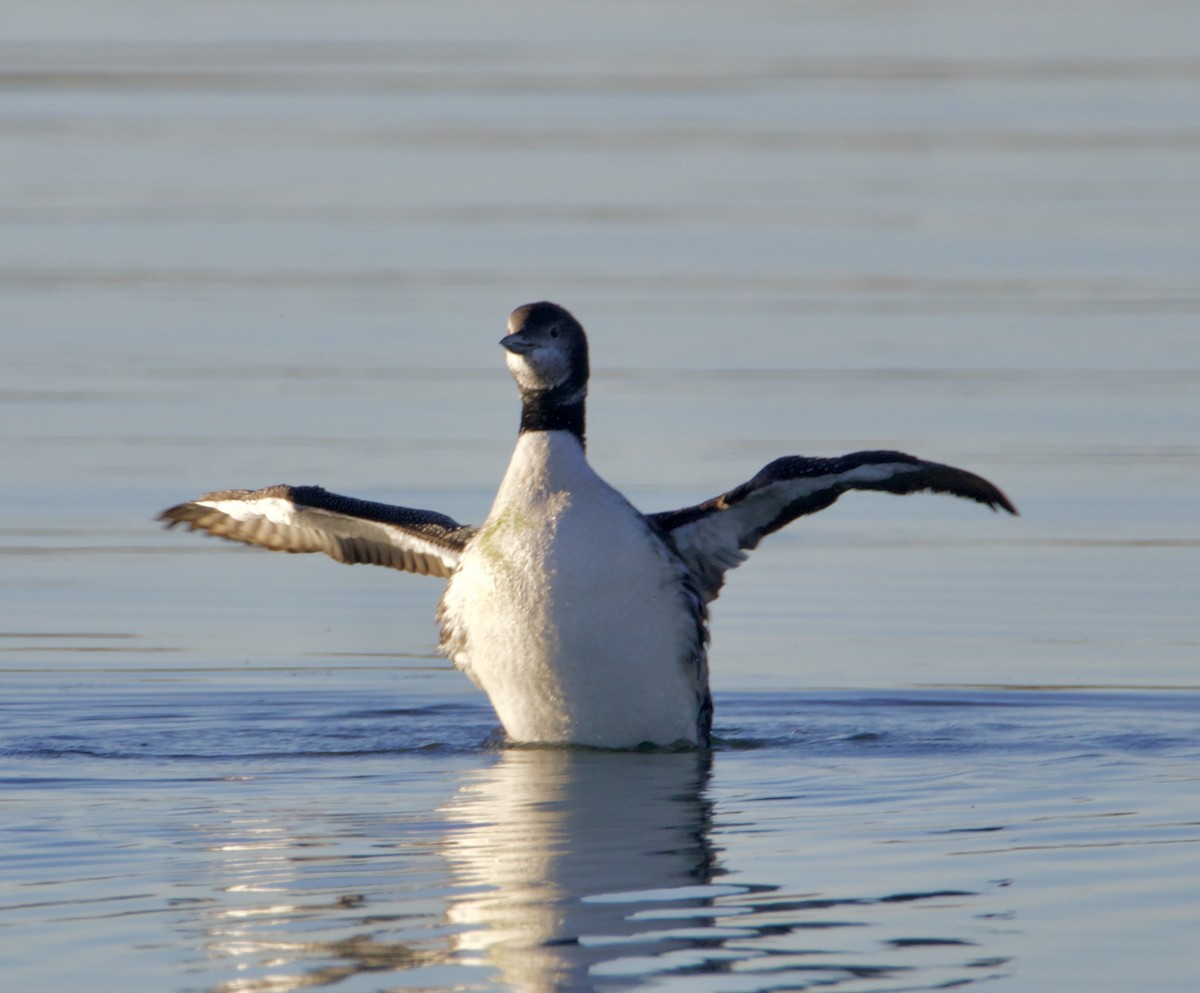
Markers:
{"x": 250, "y": 830}
{"x": 247, "y": 243}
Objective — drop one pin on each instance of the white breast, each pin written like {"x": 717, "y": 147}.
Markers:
{"x": 571, "y": 614}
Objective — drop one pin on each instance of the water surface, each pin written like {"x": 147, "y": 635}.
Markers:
{"x": 254, "y": 243}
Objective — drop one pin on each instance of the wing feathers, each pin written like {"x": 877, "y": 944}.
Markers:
{"x": 714, "y": 536}
{"x": 311, "y": 519}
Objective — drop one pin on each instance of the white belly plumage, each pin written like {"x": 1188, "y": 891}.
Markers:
{"x": 570, "y": 615}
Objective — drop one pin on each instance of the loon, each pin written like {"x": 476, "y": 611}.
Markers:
{"x": 584, "y": 620}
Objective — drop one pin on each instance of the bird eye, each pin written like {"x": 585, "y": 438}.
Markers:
{"x": 554, "y": 331}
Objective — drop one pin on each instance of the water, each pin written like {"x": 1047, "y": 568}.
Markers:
{"x": 249, "y": 835}
{"x": 249, "y": 243}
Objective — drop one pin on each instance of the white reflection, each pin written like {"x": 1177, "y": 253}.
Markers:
{"x": 256, "y": 865}
{"x": 557, "y": 849}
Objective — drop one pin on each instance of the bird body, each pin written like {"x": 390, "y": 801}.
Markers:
{"x": 522, "y": 614}
{"x": 584, "y": 620}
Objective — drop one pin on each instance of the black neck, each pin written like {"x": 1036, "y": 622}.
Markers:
{"x": 560, "y": 409}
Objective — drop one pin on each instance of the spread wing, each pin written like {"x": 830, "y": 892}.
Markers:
{"x": 715, "y": 536}
{"x": 311, "y": 519}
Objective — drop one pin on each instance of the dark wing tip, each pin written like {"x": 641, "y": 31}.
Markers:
{"x": 960, "y": 483}
{"x": 183, "y": 513}
{"x": 1004, "y": 503}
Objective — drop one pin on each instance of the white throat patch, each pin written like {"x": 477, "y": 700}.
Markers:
{"x": 541, "y": 369}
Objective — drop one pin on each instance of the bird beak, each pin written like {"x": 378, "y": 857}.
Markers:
{"x": 517, "y": 344}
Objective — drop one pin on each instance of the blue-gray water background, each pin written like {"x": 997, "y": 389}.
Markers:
{"x": 257, "y": 242}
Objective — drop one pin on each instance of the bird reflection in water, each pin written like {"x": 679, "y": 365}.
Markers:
{"x": 556, "y": 844}
{"x": 537, "y": 846}
{"x": 559, "y": 870}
